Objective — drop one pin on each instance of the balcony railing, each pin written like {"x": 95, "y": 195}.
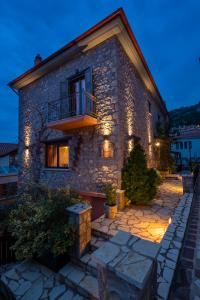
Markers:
{"x": 7, "y": 170}
{"x": 78, "y": 104}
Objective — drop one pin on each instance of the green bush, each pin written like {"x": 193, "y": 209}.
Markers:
{"x": 139, "y": 182}
{"x": 111, "y": 195}
{"x": 40, "y": 222}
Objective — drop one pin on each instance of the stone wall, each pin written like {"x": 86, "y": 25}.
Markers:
{"x": 126, "y": 268}
{"x": 115, "y": 82}
{"x": 171, "y": 246}
{"x": 134, "y": 99}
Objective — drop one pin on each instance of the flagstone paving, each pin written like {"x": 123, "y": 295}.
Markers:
{"x": 32, "y": 281}
{"x": 148, "y": 222}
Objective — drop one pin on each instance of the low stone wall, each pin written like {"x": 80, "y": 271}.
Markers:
{"x": 171, "y": 246}
{"x": 187, "y": 183}
{"x": 126, "y": 268}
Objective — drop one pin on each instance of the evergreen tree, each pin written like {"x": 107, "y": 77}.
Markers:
{"x": 139, "y": 182}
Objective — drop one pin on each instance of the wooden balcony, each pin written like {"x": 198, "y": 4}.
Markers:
{"x": 75, "y": 111}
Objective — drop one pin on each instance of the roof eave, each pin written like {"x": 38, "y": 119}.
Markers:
{"x": 118, "y": 13}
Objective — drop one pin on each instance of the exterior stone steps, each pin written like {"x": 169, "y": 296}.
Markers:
{"x": 81, "y": 280}
{"x": 32, "y": 281}
{"x": 100, "y": 235}
{"x": 97, "y": 241}
{"x": 86, "y": 263}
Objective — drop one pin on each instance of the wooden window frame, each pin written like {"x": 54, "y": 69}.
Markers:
{"x": 58, "y": 145}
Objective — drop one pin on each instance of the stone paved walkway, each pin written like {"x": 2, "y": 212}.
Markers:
{"x": 32, "y": 281}
{"x": 187, "y": 278}
{"x": 148, "y": 222}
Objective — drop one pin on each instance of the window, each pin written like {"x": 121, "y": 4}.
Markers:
{"x": 185, "y": 145}
{"x": 57, "y": 155}
{"x": 74, "y": 89}
{"x": 149, "y": 106}
{"x": 177, "y": 146}
{"x": 181, "y": 145}
{"x": 77, "y": 95}
{"x": 190, "y": 145}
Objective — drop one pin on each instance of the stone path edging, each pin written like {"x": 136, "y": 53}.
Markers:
{"x": 171, "y": 246}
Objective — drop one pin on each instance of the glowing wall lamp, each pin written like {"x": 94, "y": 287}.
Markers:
{"x": 107, "y": 149}
{"x": 157, "y": 144}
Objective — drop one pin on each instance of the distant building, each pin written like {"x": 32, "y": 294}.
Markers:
{"x": 8, "y": 166}
{"x": 186, "y": 146}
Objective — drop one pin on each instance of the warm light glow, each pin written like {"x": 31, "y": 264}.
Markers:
{"x": 107, "y": 149}
{"x": 170, "y": 220}
{"x": 106, "y": 128}
{"x": 130, "y": 145}
{"x": 157, "y": 144}
{"x": 26, "y": 158}
{"x": 27, "y": 135}
{"x": 27, "y": 141}
{"x": 130, "y": 121}
{"x": 150, "y": 137}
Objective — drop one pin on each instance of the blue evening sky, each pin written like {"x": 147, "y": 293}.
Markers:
{"x": 168, "y": 32}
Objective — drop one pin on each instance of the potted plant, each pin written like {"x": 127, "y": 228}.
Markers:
{"x": 110, "y": 207}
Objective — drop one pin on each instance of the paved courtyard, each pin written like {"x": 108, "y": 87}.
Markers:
{"x": 148, "y": 222}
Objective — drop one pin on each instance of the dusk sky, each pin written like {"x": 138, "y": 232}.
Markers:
{"x": 168, "y": 32}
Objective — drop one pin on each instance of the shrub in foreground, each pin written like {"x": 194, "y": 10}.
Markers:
{"x": 40, "y": 224}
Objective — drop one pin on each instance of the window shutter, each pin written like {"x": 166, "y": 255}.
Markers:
{"x": 64, "y": 86}
{"x": 88, "y": 80}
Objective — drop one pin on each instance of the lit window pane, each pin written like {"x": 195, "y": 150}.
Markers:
{"x": 52, "y": 156}
{"x": 63, "y": 156}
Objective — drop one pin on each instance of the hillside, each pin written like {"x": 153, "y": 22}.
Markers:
{"x": 187, "y": 115}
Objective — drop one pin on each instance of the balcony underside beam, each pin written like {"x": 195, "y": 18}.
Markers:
{"x": 73, "y": 123}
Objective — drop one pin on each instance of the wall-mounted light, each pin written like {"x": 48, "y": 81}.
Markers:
{"x": 107, "y": 148}
{"x": 157, "y": 144}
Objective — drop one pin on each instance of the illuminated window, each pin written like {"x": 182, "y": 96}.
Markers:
{"x": 57, "y": 156}
{"x": 107, "y": 150}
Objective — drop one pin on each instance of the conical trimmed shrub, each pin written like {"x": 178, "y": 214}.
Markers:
{"x": 139, "y": 182}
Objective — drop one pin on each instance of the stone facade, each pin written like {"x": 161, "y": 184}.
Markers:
{"x": 122, "y": 109}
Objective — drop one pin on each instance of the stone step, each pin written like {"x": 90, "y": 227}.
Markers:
{"x": 79, "y": 279}
{"x": 86, "y": 263}
{"x": 97, "y": 242}
{"x": 32, "y": 281}
{"x": 100, "y": 234}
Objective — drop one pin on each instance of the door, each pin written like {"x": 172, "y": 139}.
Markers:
{"x": 77, "y": 95}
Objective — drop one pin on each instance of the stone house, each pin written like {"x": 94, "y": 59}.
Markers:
{"x": 82, "y": 109}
